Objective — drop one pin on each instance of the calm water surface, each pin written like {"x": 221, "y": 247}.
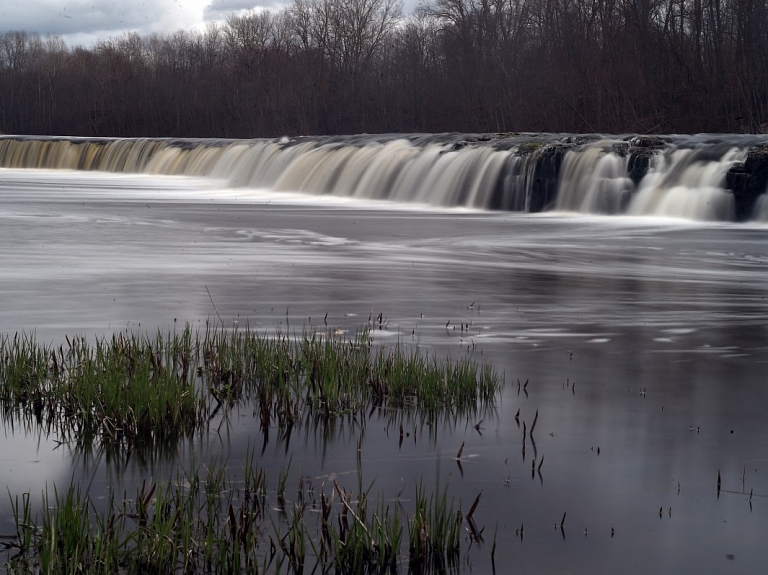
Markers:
{"x": 644, "y": 342}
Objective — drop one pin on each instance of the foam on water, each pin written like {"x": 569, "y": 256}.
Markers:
{"x": 686, "y": 176}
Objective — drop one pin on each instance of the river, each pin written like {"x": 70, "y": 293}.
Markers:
{"x": 644, "y": 342}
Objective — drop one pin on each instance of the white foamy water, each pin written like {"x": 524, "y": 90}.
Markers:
{"x": 594, "y": 181}
{"x": 679, "y": 185}
{"x": 685, "y": 178}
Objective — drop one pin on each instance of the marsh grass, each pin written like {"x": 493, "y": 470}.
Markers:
{"x": 125, "y": 390}
{"x": 205, "y": 521}
{"x": 139, "y": 391}
{"x": 434, "y": 531}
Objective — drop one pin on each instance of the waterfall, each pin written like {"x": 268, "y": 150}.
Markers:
{"x": 594, "y": 181}
{"x": 683, "y": 185}
{"x": 760, "y": 213}
{"x": 697, "y": 177}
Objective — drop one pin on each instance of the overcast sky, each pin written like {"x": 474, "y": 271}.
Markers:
{"x": 84, "y": 21}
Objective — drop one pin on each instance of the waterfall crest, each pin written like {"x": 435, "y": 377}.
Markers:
{"x": 719, "y": 178}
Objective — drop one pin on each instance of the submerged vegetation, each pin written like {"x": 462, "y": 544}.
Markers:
{"x": 130, "y": 391}
{"x": 136, "y": 390}
{"x": 208, "y": 522}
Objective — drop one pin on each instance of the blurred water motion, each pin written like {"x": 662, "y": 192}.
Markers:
{"x": 644, "y": 342}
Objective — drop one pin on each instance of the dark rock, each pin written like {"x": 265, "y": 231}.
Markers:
{"x": 648, "y": 142}
{"x": 543, "y": 187}
{"x": 641, "y": 150}
{"x": 576, "y": 140}
{"x": 528, "y": 148}
{"x": 620, "y": 148}
{"x": 748, "y": 181}
{"x": 638, "y": 164}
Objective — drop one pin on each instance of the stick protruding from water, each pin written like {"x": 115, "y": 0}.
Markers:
{"x": 214, "y": 306}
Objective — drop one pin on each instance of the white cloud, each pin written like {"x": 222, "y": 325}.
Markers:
{"x": 218, "y": 10}
{"x": 106, "y": 18}
{"x": 82, "y": 22}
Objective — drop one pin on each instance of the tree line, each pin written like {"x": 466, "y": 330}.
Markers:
{"x": 350, "y": 66}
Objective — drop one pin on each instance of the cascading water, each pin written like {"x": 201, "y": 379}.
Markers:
{"x": 761, "y": 209}
{"x": 697, "y": 177}
{"x": 595, "y": 181}
{"x": 682, "y": 184}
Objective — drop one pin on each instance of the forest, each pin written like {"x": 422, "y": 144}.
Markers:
{"x": 352, "y": 66}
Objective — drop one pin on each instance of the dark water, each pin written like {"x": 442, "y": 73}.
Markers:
{"x": 645, "y": 338}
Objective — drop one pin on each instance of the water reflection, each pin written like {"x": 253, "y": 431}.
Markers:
{"x": 645, "y": 341}
{"x": 316, "y": 434}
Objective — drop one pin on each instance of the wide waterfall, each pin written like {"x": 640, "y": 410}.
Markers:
{"x": 704, "y": 177}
